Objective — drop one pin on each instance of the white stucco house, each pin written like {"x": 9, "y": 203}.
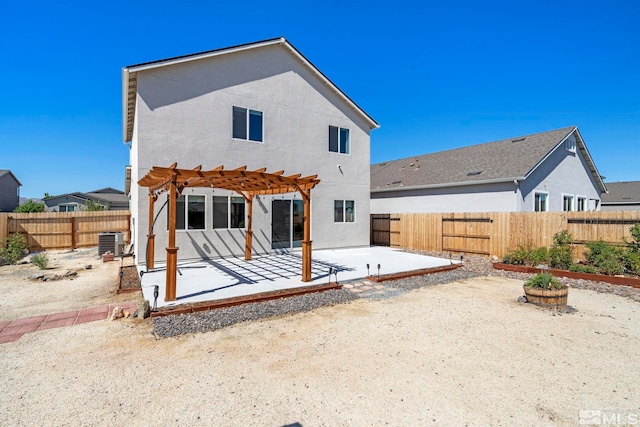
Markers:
{"x": 548, "y": 171}
{"x": 259, "y": 105}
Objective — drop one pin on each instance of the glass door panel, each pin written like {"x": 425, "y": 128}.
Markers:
{"x": 280, "y": 224}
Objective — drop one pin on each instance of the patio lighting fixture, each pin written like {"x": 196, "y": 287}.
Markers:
{"x": 378, "y": 271}
{"x": 121, "y": 274}
{"x": 156, "y": 292}
{"x": 367, "y": 269}
{"x": 461, "y": 258}
{"x": 450, "y": 261}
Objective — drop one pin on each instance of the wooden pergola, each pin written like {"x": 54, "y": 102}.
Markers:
{"x": 244, "y": 182}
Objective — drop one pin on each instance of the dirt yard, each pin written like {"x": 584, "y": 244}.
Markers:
{"x": 464, "y": 353}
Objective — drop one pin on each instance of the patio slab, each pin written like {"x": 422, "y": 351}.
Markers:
{"x": 221, "y": 278}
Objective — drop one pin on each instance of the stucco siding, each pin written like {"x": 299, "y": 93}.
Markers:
{"x": 500, "y": 197}
{"x": 184, "y": 115}
{"x": 563, "y": 173}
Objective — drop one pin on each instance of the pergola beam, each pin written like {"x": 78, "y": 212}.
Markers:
{"x": 245, "y": 182}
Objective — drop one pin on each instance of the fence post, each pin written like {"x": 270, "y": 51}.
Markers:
{"x": 4, "y": 218}
{"x": 73, "y": 232}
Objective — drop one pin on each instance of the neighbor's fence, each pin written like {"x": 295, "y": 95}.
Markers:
{"x": 494, "y": 233}
{"x": 64, "y": 230}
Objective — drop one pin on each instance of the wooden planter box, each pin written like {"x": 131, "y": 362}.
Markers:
{"x": 552, "y": 298}
{"x": 614, "y": 280}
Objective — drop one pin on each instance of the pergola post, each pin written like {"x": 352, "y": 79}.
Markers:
{"x": 249, "y": 239}
{"x": 172, "y": 251}
{"x": 306, "y": 239}
{"x": 151, "y": 246}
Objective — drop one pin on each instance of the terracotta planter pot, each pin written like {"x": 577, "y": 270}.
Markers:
{"x": 552, "y": 298}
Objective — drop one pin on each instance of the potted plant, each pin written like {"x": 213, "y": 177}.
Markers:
{"x": 545, "y": 290}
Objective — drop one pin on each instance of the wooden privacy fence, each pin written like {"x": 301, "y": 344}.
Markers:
{"x": 64, "y": 230}
{"x": 494, "y": 233}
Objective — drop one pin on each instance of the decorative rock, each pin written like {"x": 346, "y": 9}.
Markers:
{"x": 523, "y": 299}
{"x": 126, "y": 314}
{"x": 70, "y": 274}
{"x": 117, "y": 313}
{"x": 37, "y": 276}
{"x": 144, "y": 310}
{"x": 88, "y": 267}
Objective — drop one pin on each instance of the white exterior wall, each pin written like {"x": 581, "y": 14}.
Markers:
{"x": 563, "y": 173}
{"x": 501, "y": 197}
{"x": 184, "y": 115}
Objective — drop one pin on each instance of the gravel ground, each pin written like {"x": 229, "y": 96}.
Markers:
{"x": 474, "y": 266}
{"x": 452, "y": 348}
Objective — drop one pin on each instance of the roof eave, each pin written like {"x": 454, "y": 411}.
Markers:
{"x": 449, "y": 184}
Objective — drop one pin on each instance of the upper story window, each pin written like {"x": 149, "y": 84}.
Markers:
{"x": 540, "y": 202}
{"x": 582, "y": 204}
{"x": 67, "y": 208}
{"x": 339, "y": 140}
{"x": 247, "y": 124}
{"x": 570, "y": 145}
{"x": 190, "y": 212}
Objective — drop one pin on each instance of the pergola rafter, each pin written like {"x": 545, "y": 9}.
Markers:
{"x": 247, "y": 183}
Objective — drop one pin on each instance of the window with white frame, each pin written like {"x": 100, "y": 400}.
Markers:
{"x": 228, "y": 212}
{"x": 540, "y": 202}
{"x": 582, "y": 204}
{"x": 247, "y": 124}
{"x": 567, "y": 203}
{"x": 339, "y": 140}
{"x": 344, "y": 211}
{"x": 67, "y": 208}
{"x": 190, "y": 212}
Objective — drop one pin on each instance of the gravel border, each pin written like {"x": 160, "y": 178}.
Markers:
{"x": 474, "y": 266}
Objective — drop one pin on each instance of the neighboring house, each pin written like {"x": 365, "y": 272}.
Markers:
{"x": 258, "y": 105}
{"x": 622, "y": 196}
{"x": 548, "y": 171}
{"x": 113, "y": 199}
{"x": 9, "y": 191}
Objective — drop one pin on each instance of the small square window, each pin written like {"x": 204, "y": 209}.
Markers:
{"x": 339, "y": 140}
{"x": 344, "y": 211}
{"x": 567, "y": 203}
{"x": 247, "y": 124}
{"x": 540, "y": 202}
{"x": 190, "y": 213}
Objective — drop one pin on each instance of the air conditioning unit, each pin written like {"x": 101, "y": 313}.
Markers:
{"x": 110, "y": 241}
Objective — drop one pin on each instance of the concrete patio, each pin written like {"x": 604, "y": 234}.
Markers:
{"x": 221, "y": 278}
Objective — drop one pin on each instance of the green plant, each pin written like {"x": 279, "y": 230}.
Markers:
{"x": 539, "y": 256}
{"x": 581, "y": 268}
{"x": 15, "y": 248}
{"x": 543, "y": 281}
{"x": 518, "y": 256}
{"x": 562, "y": 238}
{"x": 29, "y": 206}
{"x": 560, "y": 257}
{"x": 606, "y": 258}
{"x": 95, "y": 206}
{"x": 40, "y": 260}
{"x": 634, "y": 244}
{"x": 632, "y": 262}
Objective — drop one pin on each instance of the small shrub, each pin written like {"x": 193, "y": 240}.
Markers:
{"x": 632, "y": 262}
{"x": 543, "y": 281}
{"x": 606, "y": 258}
{"x": 40, "y": 260}
{"x": 517, "y": 256}
{"x": 562, "y": 238}
{"x": 560, "y": 257}
{"x": 580, "y": 268}
{"x": 16, "y": 247}
{"x": 634, "y": 244}
{"x": 539, "y": 256}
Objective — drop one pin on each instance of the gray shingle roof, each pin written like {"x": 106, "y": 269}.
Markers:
{"x": 622, "y": 192}
{"x": 511, "y": 158}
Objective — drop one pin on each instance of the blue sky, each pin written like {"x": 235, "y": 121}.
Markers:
{"x": 435, "y": 75}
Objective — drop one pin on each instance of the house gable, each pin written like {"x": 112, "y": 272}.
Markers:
{"x": 130, "y": 78}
